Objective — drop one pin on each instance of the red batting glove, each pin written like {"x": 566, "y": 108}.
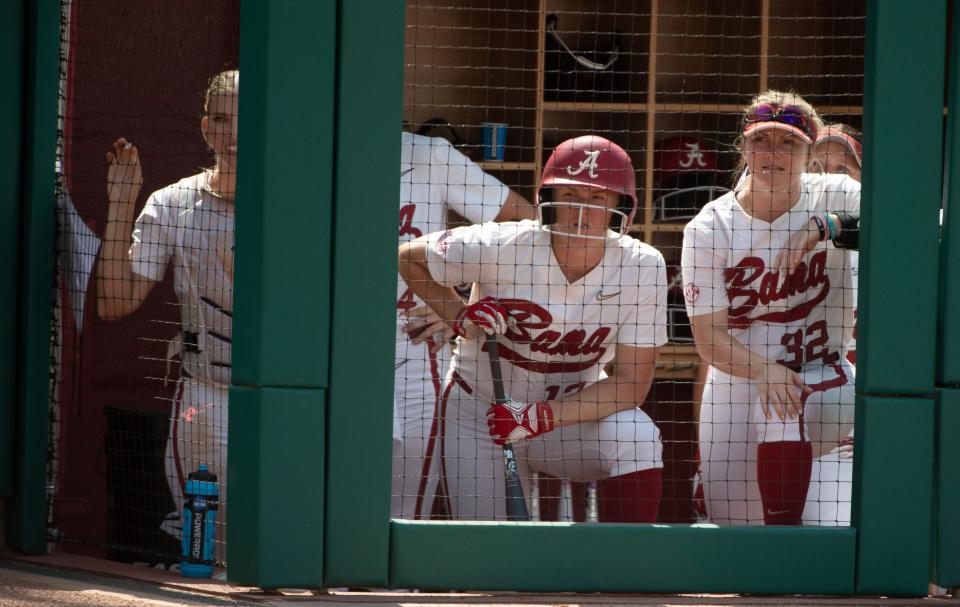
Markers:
{"x": 487, "y": 314}
{"x": 513, "y": 421}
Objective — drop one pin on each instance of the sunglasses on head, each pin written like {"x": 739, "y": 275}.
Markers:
{"x": 787, "y": 114}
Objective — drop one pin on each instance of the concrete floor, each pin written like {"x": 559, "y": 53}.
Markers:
{"x": 64, "y": 581}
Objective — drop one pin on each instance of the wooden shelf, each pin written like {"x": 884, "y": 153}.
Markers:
{"x": 677, "y": 361}
{"x": 665, "y": 226}
{"x": 853, "y": 110}
{"x": 612, "y": 106}
{"x": 722, "y": 108}
{"x": 498, "y": 165}
{"x": 593, "y": 106}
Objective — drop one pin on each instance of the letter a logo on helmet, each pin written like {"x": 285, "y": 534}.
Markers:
{"x": 590, "y": 162}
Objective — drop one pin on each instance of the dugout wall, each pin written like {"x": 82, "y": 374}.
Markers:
{"x": 305, "y": 407}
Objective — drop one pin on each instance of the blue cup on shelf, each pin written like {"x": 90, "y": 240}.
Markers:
{"x": 494, "y": 136}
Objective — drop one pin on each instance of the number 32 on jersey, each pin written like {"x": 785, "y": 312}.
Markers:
{"x": 807, "y": 345}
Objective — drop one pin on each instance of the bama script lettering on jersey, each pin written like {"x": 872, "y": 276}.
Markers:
{"x": 751, "y": 284}
{"x": 406, "y": 300}
{"x": 407, "y": 214}
{"x": 531, "y": 326}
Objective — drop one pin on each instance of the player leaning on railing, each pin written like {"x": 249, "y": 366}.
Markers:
{"x": 564, "y": 296}
{"x": 191, "y": 224}
{"x": 766, "y": 296}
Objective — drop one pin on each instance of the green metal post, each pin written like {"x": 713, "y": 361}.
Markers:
{"x": 285, "y": 189}
{"x": 275, "y": 522}
{"x": 893, "y": 495}
{"x": 905, "y": 50}
{"x": 11, "y": 108}
{"x": 946, "y": 563}
{"x": 369, "y": 111}
{"x": 949, "y": 348}
{"x": 26, "y": 512}
{"x": 281, "y": 317}
{"x": 903, "y": 118}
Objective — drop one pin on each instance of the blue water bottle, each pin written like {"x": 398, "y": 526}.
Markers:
{"x": 201, "y": 495}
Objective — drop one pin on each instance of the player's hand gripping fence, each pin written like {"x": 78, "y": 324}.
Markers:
{"x": 516, "y": 502}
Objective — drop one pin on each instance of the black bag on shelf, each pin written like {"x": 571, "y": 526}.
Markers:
{"x": 439, "y": 127}
{"x": 600, "y": 74}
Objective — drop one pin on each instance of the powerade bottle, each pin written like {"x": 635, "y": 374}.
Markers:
{"x": 201, "y": 495}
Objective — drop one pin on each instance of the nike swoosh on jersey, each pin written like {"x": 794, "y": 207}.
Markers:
{"x": 410, "y": 170}
{"x": 601, "y": 296}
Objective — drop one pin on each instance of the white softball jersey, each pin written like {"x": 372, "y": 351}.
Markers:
{"x": 189, "y": 224}
{"x": 563, "y": 333}
{"x": 794, "y": 319}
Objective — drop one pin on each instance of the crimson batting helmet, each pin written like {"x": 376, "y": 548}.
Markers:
{"x": 589, "y": 161}
{"x": 685, "y": 175}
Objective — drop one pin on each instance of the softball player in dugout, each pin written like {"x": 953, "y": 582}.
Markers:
{"x": 839, "y": 150}
{"x": 768, "y": 293}
{"x": 191, "y": 225}
{"x": 434, "y": 179}
{"x": 564, "y": 296}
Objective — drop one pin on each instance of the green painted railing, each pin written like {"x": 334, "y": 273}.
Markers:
{"x": 947, "y": 505}
{"x": 281, "y": 324}
{"x": 369, "y": 118}
{"x": 896, "y": 357}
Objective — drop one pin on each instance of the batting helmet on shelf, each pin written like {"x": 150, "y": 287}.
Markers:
{"x": 589, "y": 161}
{"x": 685, "y": 175}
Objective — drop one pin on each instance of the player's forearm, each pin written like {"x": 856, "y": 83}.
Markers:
{"x": 717, "y": 347}
{"x": 515, "y": 208}
{"x": 414, "y": 271}
{"x": 115, "y": 278}
{"x": 602, "y": 399}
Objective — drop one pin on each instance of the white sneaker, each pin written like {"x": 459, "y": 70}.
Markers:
{"x": 935, "y": 590}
